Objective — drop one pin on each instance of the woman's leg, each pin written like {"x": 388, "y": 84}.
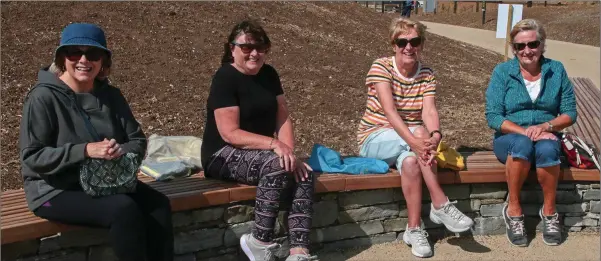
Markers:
{"x": 429, "y": 173}
{"x": 300, "y": 217}
{"x": 411, "y": 183}
{"x": 515, "y": 151}
{"x": 547, "y": 154}
{"x": 119, "y": 213}
{"x": 262, "y": 169}
{"x": 159, "y": 229}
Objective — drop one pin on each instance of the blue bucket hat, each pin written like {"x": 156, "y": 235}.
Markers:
{"x": 83, "y": 34}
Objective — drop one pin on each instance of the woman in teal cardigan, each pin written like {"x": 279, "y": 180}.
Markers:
{"x": 528, "y": 100}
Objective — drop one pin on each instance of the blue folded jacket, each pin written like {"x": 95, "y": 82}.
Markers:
{"x": 327, "y": 160}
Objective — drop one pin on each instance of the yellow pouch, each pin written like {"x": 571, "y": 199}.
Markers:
{"x": 449, "y": 158}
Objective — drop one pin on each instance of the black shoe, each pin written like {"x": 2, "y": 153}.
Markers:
{"x": 551, "y": 228}
{"x": 516, "y": 233}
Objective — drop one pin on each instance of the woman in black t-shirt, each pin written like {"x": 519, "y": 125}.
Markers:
{"x": 246, "y": 111}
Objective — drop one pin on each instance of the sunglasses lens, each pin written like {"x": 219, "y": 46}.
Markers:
{"x": 401, "y": 43}
{"x": 247, "y": 48}
{"x": 92, "y": 54}
{"x": 415, "y": 42}
{"x": 519, "y": 46}
{"x": 533, "y": 45}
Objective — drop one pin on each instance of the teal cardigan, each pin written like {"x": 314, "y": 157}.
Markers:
{"x": 508, "y": 99}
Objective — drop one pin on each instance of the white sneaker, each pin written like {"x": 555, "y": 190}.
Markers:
{"x": 417, "y": 238}
{"x": 257, "y": 252}
{"x": 453, "y": 219}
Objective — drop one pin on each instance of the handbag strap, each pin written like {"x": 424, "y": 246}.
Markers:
{"x": 88, "y": 124}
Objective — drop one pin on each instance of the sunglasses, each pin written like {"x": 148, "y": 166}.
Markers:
{"x": 247, "y": 48}
{"x": 522, "y": 46}
{"x": 402, "y": 42}
{"x": 92, "y": 54}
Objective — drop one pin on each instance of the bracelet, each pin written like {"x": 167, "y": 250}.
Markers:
{"x": 436, "y": 131}
{"x": 271, "y": 143}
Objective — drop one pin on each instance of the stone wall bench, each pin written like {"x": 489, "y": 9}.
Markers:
{"x": 350, "y": 210}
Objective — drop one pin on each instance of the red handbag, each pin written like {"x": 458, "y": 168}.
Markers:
{"x": 578, "y": 153}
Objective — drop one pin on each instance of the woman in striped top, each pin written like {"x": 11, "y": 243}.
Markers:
{"x": 400, "y": 125}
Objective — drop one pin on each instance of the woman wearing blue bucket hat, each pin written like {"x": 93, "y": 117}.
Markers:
{"x": 73, "y": 116}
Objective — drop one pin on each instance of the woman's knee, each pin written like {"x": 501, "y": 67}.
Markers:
{"x": 547, "y": 153}
{"x": 421, "y": 132}
{"x": 410, "y": 167}
{"x": 514, "y": 145}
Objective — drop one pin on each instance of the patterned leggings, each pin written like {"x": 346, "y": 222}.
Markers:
{"x": 261, "y": 168}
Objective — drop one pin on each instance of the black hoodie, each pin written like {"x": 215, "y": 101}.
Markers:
{"x": 53, "y": 135}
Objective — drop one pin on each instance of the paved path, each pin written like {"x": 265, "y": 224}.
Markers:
{"x": 579, "y": 60}
{"x": 578, "y": 246}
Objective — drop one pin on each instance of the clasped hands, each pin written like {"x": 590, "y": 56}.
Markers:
{"x": 425, "y": 149}
{"x": 540, "y": 132}
{"x": 289, "y": 162}
{"x": 106, "y": 149}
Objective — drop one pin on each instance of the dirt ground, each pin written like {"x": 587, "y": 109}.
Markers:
{"x": 478, "y": 248}
{"x": 575, "y": 22}
{"x": 165, "y": 54}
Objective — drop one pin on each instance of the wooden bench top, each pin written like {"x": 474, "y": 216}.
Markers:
{"x": 196, "y": 191}
{"x": 588, "y": 98}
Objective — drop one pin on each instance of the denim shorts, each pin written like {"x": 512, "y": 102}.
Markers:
{"x": 387, "y": 145}
{"x": 542, "y": 153}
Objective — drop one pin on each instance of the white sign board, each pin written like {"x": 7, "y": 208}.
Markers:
{"x": 503, "y": 15}
{"x": 430, "y": 5}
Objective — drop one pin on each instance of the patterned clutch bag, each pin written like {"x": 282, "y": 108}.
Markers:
{"x": 99, "y": 177}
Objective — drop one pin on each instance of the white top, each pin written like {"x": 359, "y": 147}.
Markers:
{"x": 533, "y": 88}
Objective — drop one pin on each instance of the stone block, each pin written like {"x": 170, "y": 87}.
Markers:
{"x": 427, "y": 223}
{"x": 239, "y": 214}
{"x": 83, "y": 237}
{"x": 580, "y": 222}
{"x": 492, "y": 210}
{"x": 491, "y": 201}
{"x": 591, "y": 194}
{"x": 326, "y": 196}
{"x": 102, "y": 253}
{"x": 358, "y": 199}
{"x": 590, "y": 229}
{"x": 583, "y": 186}
{"x": 566, "y": 186}
{"x": 61, "y": 255}
{"x": 181, "y": 219}
{"x": 193, "y": 241}
{"x": 574, "y": 229}
{"x": 346, "y": 231}
{"x": 361, "y": 241}
{"x": 454, "y": 192}
{"x": 574, "y": 208}
{"x": 595, "y": 206}
{"x": 489, "y": 191}
{"x": 325, "y": 213}
{"x": 368, "y": 213}
{"x": 397, "y": 194}
{"x": 206, "y": 215}
{"x": 16, "y": 250}
{"x": 592, "y": 215}
{"x": 396, "y": 225}
{"x": 186, "y": 257}
{"x": 532, "y": 209}
{"x": 234, "y": 232}
{"x": 227, "y": 257}
{"x": 489, "y": 226}
{"x": 403, "y": 211}
{"x": 214, "y": 252}
{"x": 595, "y": 186}
{"x": 49, "y": 244}
{"x": 475, "y": 205}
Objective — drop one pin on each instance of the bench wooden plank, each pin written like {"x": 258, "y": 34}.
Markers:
{"x": 588, "y": 98}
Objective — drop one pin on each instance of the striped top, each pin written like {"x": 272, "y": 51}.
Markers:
{"x": 408, "y": 94}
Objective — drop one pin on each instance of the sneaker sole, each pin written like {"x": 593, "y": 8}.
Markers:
{"x": 436, "y": 220}
{"x": 506, "y": 226}
{"x": 244, "y": 246}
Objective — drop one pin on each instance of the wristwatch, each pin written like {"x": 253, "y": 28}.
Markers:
{"x": 550, "y": 128}
{"x": 436, "y": 131}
